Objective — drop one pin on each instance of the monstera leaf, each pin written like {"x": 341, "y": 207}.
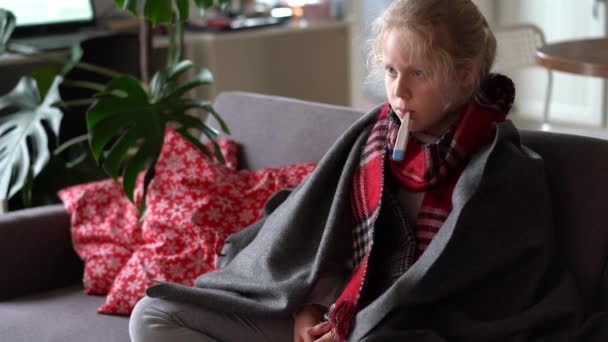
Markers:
{"x": 127, "y": 119}
{"x": 23, "y": 137}
{"x": 7, "y": 25}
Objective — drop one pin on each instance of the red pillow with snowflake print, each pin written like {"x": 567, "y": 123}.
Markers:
{"x": 187, "y": 221}
{"x": 104, "y": 224}
{"x": 105, "y": 230}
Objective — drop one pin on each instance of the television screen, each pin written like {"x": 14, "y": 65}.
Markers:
{"x": 42, "y": 12}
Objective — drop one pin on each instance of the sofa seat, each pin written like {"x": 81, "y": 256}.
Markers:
{"x": 61, "y": 315}
{"x": 37, "y": 256}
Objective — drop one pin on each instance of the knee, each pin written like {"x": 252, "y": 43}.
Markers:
{"x": 146, "y": 314}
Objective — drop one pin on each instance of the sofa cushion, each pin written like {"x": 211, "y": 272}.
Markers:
{"x": 61, "y": 315}
{"x": 105, "y": 225}
{"x": 37, "y": 253}
{"x": 274, "y": 131}
{"x": 190, "y": 213}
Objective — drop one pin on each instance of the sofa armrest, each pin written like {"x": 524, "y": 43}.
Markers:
{"x": 36, "y": 251}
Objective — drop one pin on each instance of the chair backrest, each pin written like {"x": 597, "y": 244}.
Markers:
{"x": 276, "y": 131}
{"x": 516, "y": 46}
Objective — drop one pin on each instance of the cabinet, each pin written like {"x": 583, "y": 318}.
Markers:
{"x": 308, "y": 62}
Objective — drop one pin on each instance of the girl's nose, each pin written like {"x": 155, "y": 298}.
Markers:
{"x": 402, "y": 90}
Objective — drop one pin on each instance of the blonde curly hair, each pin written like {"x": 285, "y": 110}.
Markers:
{"x": 450, "y": 34}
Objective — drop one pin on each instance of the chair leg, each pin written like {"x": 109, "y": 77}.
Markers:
{"x": 548, "y": 97}
{"x": 604, "y": 113}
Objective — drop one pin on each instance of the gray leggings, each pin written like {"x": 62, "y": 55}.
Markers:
{"x": 155, "y": 320}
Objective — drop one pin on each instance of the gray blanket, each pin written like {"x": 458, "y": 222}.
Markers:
{"x": 491, "y": 273}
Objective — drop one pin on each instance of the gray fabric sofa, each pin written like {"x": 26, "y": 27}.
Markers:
{"x": 41, "y": 297}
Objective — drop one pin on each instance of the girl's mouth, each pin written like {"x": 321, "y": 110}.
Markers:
{"x": 401, "y": 113}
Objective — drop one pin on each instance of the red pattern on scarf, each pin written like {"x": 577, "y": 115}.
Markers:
{"x": 473, "y": 132}
{"x": 418, "y": 171}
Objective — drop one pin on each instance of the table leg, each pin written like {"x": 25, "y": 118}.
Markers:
{"x": 604, "y": 113}
{"x": 604, "y": 107}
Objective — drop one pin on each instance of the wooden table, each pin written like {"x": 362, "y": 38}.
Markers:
{"x": 587, "y": 57}
{"x": 584, "y": 57}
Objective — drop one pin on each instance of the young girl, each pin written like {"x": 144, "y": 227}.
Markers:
{"x": 426, "y": 221}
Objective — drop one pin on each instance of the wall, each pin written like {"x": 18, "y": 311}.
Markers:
{"x": 488, "y": 9}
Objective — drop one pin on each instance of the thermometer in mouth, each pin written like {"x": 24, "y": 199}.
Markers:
{"x": 402, "y": 137}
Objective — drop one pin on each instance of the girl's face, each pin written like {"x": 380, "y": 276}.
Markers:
{"x": 410, "y": 87}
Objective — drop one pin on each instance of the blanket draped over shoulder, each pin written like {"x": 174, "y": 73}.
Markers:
{"x": 492, "y": 272}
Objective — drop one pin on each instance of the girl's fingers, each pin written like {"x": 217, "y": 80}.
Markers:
{"x": 306, "y": 338}
{"x": 328, "y": 337}
{"x": 319, "y": 329}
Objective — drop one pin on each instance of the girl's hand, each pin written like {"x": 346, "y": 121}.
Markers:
{"x": 305, "y": 322}
{"x": 323, "y": 332}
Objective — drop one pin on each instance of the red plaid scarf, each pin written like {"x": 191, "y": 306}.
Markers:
{"x": 434, "y": 168}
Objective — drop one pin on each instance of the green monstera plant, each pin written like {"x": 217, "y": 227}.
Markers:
{"x": 126, "y": 118}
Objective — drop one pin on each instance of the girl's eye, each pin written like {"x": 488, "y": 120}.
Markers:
{"x": 390, "y": 70}
{"x": 419, "y": 73}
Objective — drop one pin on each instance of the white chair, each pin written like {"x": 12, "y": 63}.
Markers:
{"x": 516, "y": 49}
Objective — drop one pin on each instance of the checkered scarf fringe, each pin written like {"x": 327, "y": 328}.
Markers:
{"x": 438, "y": 162}
{"x": 365, "y": 216}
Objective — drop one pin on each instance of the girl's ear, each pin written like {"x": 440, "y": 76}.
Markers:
{"x": 468, "y": 73}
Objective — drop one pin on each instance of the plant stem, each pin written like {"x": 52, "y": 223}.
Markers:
{"x": 145, "y": 50}
{"x": 84, "y": 84}
{"x": 71, "y": 142}
{"x": 97, "y": 69}
{"x": 176, "y": 40}
{"x": 179, "y": 32}
{"x": 172, "y": 57}
{"x": 76, "y": 103}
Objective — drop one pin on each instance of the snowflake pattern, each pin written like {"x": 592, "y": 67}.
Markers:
{"x": 192, "y": 206}
{"x": 105, "y": 227}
